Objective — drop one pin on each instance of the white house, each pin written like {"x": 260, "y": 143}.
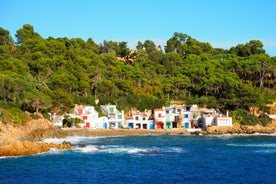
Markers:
{"x": 103, "y": 122}
{"x": 88, "y": 114}
{"x": 214, "y": 118}
{"x": 189, "y": 115}
{"x": 223, "y": 121}
{"x": 272, "y": 116}
{"x": 160, "y": 117}
{"x": 115, "y": 117}
{"x": 56, "y": 119}
{"x": 140, "y": 121}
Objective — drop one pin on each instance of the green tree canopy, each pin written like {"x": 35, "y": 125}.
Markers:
{"x": 54, "y": 74}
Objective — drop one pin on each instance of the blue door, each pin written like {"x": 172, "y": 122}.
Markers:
{"x": 105, "y": 125}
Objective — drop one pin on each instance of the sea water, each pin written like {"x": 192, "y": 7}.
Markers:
{"x": 149, "y": 159}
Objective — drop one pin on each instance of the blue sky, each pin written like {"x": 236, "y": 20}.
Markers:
{"x": 222, "y": 23}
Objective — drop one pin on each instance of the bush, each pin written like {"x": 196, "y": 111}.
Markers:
{"x": 244, "y": 117}
{"x": 69, "y": 122}
{"x": 34, "y": 116}
{"x": 13, "y": 115}
{"x": 264, "y": 119}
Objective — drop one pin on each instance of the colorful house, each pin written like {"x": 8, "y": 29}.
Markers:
{"x": 115, "y": 117}
{"x": 88, "y": 114}
{"x": 189, "y": 115}
{"x": 103, "y": 122}
{"x": 175, "y": 116}
{"x": 140, "y": 120}
{"x": 160, "y": 118}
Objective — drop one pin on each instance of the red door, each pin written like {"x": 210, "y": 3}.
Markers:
{"x": 160, "y": 125}
{"x": 87, "y": 125}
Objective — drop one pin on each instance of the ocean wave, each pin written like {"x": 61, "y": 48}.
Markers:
{"x": 108, "y": 149}
{"x": 176, "y": 149}
{"x": 112, "y": 149}
{"x": 6, "y": 157}
{"x": 241, "y": 135}
{"x": 55, "y": 151}
{"x": 71, "y": 139}
{"x": 267, "y": 145}
{"x": 266, "y": 151}
{"x": 90, "y": 148}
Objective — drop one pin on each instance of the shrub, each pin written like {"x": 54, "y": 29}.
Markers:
{"x": 69, "y": 122}
{"x": 264, "y": 119}
{"x": 13, "y": 115}
{"x": 244, "y": 117}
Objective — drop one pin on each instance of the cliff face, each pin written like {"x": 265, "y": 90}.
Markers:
{"x": 34, "y": 130}
{"x": 18, "y": 140}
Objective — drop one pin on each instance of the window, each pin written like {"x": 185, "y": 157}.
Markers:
{"x": 111, "y": 109}
{"x": 120, "y": 116}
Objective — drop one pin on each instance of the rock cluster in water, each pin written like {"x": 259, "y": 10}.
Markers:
{"x": 29, "y": 148}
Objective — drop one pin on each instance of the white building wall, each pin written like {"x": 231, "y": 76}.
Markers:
{"x": 272, "y": 116}
{"x": 223, "y": 121}
{"x": 160, "y": 115}
{"x": 209, "y": 120}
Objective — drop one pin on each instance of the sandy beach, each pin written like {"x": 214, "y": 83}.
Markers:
{"x": 121, "y": 132}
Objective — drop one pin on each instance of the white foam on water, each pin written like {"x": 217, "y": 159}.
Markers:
{"x": 90, "y": 148}
{"x": 266, "y": 151}
{"x": 267, "y": 145}
{"x": 176, "y": 149}
{"x": 4, "y": 157}
{"x": 112, "y": 149}
{"x": 140, "y": 150}
{"x": 54, "y": 151}
{"x": 71, "y": 139}
{"x": 117, "y": 149}
{"x": 13, "y": 157}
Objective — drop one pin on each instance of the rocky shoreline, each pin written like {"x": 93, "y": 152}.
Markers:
{"x": 16, "y": 140}
{"x": 28, "y": 139}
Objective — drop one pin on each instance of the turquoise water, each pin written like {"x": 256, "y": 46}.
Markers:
{"x": 149, "y": 159}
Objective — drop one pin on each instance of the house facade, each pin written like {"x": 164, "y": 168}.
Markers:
{"x": 88, "y": 114}
{"x": 115, "y": 117}
{"x": 175, "y": 116}
{"x": 223, "y": 121}
{"x": 160, "y": 118}
{"x": 140, "y": 120}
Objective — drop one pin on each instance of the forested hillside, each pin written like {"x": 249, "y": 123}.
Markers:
{"x": 52, "y": 74}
